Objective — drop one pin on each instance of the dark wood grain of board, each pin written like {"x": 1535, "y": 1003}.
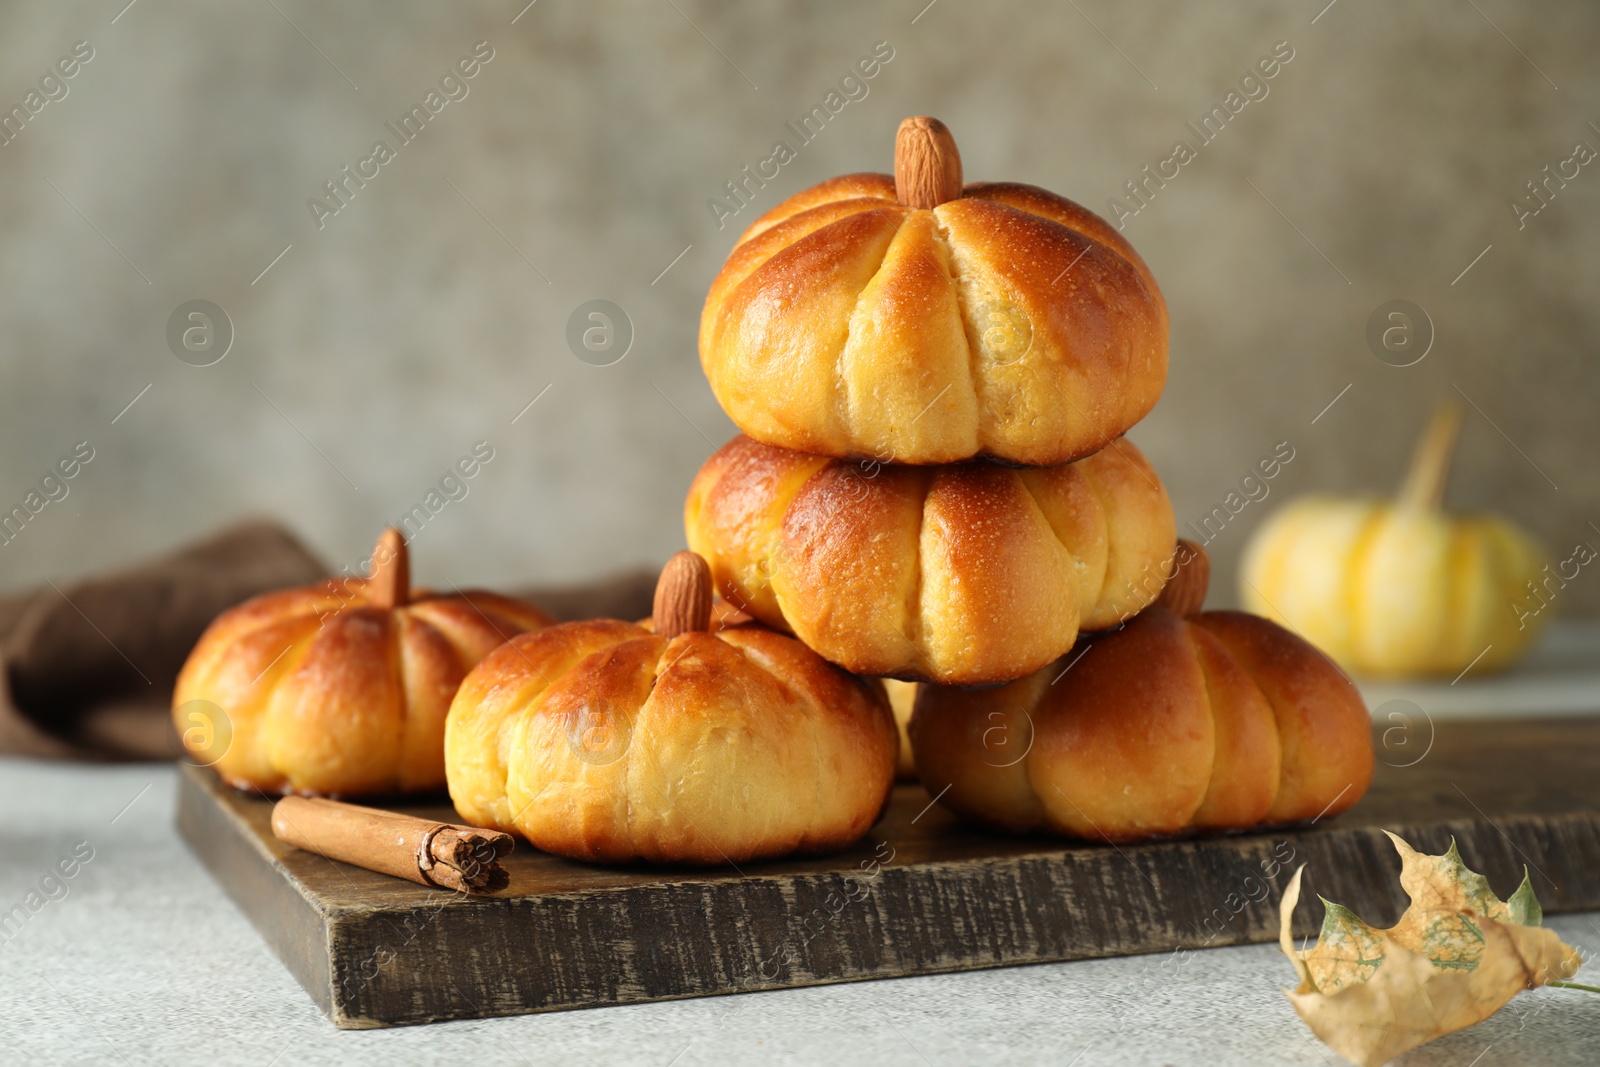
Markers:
{"x": 922, "y": 893}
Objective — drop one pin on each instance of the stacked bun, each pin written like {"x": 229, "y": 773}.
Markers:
{"x": 965, "y": 573}
{"x": 934, "y": 325}
{"x": 933, "y": 380}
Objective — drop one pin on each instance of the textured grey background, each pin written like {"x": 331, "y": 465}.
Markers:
{"x": 376, "y": 350}
{"x": 144, "y": 961}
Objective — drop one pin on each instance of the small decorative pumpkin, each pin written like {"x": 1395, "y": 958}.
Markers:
{"x": 341, "y": 688}
{"x": 611, "y": 741}
{"x": 966, "y": 574}
{"x": 913, "y": 319}
{"x": 1180, "y": 721}
{"x": 1400, "y": 589}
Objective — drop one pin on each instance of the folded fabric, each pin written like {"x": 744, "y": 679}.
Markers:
{"x": 87, "y": 667}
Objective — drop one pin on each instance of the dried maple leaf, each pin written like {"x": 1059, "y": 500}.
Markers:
{"x": 1456, "y": 956}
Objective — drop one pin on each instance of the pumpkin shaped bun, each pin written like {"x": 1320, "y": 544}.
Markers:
{"x": 612, "y": 741}
{"x": 913, "y": 319}
{"x": 339, "y": 688}
{"x": 968, "y": 574}
{"x": 1178, "y": 722}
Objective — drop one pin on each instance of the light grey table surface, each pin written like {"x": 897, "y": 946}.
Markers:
{"x": 144, "y": 960}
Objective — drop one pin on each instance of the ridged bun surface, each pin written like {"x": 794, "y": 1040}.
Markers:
{"x": 1009, "y": 323}
{"x": 601, "y": 741}
{"x": 318, "y": 691}
{"x": 968, "y": 574}
{"x": 1171, "y": 725}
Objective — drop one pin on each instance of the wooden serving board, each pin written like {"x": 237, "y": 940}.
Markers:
{"x": 922, "y": 893}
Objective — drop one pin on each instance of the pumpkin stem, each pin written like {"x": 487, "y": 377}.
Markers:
{"x": 683, "y": 596}
{"x": 927, "y": 165}
{"x": 389, "y": 584}
{"x": 1424, "y": 486}
{"x": 1185, "y": 591}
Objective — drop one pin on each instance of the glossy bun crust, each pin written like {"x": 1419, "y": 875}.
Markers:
{"x": 322, "y": 693}
{"x": 601, "y": 741}
{"x": 1218, "y": 721}
{"x": 968, "y": 574}
{"x": 1009, "y": 323}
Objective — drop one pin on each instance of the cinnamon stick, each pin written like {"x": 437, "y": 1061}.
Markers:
{"x": 442, "y": 855}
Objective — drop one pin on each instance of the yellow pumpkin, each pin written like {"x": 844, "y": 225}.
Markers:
{"x": 1401, "y": 588}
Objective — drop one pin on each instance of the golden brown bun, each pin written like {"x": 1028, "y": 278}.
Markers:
{"x": 1010, "y": 323}
{"x": 601, "y": 741}
{"x": 1216, "y": 721}
{"x": 322, "y": 693}
{"x": 970, "y": 573}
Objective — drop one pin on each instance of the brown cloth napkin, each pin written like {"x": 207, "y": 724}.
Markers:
{"x": 87, "y": 668}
